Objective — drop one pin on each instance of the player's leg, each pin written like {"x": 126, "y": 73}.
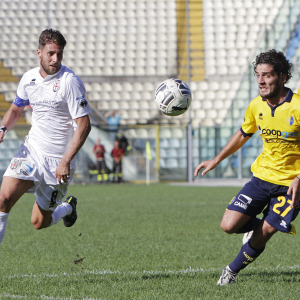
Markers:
{"x": 254, "y": 247}
{"x": 248, "y": 253}
{"x": 49, "y": 209}
{"x": 236, "y": 222}
{"x": 233, "y": 221}
{"x": 11, "y": 191}
{"x": 41, "y": 218}
{"x": 277, "y": 217}
{"x": 240, "y": 215}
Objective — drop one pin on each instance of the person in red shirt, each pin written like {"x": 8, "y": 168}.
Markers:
{"x": 99, "y": 151}
{"x": 117, "y": 153}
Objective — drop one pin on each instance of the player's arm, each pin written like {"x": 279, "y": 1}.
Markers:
{"x": 81, "y": 133}
{"x": 235, "y": 143}
{"x": 10, "y": 119}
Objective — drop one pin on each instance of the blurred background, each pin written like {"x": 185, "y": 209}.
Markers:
{"x": 122, "y": 50}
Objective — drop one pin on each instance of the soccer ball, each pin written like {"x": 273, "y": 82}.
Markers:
{"x": 173, "y": 97}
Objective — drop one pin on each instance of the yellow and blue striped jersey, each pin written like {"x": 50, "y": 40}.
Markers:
{"x": 279, "y": 128}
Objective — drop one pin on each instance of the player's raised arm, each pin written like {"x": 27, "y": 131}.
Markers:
{"x": 235, "y": 143}
{"x": 10, "y": 119}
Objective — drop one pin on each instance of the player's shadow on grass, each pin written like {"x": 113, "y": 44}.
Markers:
{"x": 272, "y": 276}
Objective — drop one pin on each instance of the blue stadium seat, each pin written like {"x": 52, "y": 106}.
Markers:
{"x": 171, "y": 163}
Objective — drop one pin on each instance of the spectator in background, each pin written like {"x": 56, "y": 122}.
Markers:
{"x": 99, "y": 151}
{"x": 117, "y": 153}
{"x": 123, "y": 142}
{"x": 113, "y": 119}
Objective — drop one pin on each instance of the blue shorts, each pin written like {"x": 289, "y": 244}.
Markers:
{"x": 258, "y": 195}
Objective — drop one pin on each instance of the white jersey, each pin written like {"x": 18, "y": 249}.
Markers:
{"x": 56, "y": 101}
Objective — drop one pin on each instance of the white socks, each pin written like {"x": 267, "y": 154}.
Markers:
{"x": 60, "y": 211}
{"x": 3, "y": 222}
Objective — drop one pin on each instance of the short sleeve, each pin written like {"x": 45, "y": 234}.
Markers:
{"x": 249, "y": 126}
{"x": 21, "y": 97}
{"x": 75, "y": 97}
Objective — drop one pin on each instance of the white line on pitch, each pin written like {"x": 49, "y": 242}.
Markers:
{"x": 150, "y": 272}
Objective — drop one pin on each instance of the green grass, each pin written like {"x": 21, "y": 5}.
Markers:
{"x": 141, "y": 242}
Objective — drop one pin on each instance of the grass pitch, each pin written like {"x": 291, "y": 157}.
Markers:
{"x": 141, "y": 242}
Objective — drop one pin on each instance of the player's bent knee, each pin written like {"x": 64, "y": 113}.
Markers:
{"x": 38, "y": 223}
{"x": 228, "y": 227}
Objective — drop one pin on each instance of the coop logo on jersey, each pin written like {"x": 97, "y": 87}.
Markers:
{"x": 290, "y": 120}
{"x": 56, "y": 85}
{"x": 279, "y": 134}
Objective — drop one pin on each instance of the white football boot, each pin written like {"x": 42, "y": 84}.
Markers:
{"x": 227, "y": 277}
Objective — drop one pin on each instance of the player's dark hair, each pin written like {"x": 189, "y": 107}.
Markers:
{"x": 277, "y": 60}
{"x": 50, "y": 35}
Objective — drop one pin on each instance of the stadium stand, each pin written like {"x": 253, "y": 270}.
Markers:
{"x": 122, "y": 50}
{"x": 142, "y": 42}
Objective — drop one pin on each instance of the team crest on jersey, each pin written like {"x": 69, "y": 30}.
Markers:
{"x": 290, "y": 120}
{"x": 260, "y": 116}
{"x": 56, "y": 85}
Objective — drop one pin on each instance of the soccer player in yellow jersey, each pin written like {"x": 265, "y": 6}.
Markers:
{"x": 274, "y": 188}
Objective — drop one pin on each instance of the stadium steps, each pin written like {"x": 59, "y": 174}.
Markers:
{"x": 6, "y": 75}
{"x": 4, "y": 106}
{"x": 196, "y": 41}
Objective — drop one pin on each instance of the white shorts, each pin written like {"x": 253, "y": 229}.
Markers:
{"x": 29, "y": 165}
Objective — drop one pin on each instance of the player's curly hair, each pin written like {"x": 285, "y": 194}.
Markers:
{"x": 277, "y": 60}
{"x": 50, "y": 35}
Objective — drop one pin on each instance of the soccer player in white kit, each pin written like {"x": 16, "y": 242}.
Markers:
{"x": 45, "y": 163}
